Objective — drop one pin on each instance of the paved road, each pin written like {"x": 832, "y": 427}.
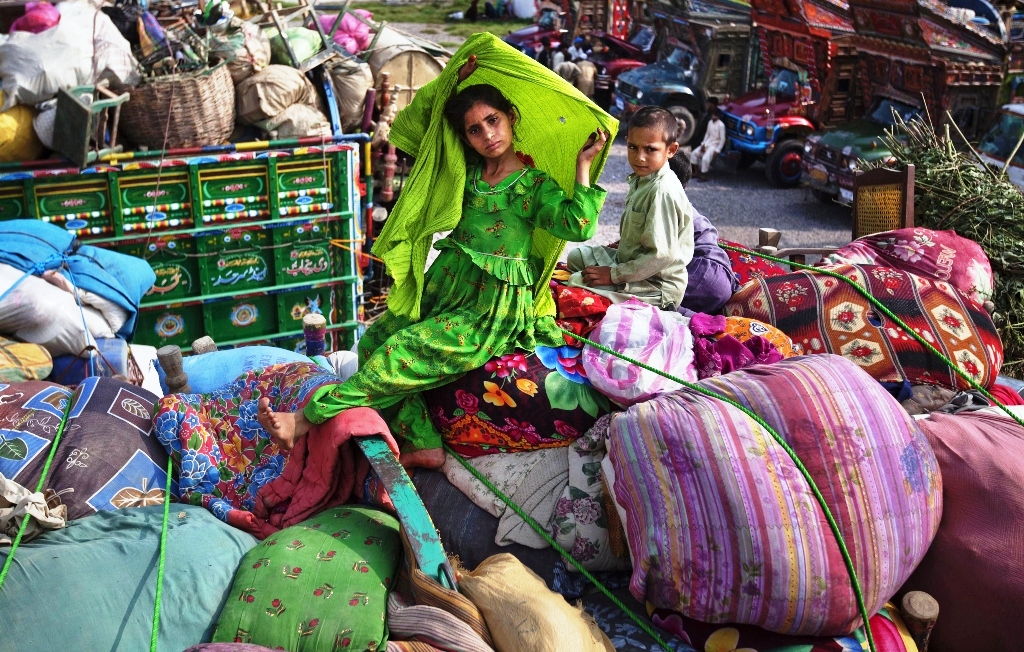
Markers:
{"x": 738, "y": 205}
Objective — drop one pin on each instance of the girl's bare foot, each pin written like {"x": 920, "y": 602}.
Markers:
{"x": 428, "y": 458}
{"x": 285, "y": 428}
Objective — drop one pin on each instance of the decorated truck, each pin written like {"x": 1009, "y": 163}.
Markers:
{"x": 916, "y": 57}
{"x": 703, "y": 51}
{"x": 1003, "y": 141}
{"x": 806, "y": 56}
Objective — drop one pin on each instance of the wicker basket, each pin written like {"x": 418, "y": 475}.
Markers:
{"x": 200, "y": 107}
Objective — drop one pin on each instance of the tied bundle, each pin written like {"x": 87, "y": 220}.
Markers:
{"x": 956, "y": 190}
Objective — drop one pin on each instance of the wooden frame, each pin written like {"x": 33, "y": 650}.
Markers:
{"x": 866, "y": 223}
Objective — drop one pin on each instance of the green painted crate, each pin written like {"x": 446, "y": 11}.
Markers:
{"x": 180, "y": 325}
{"x": 304, "y": 186}
{"x": 253, "y": 317}
{"x": 81, "y": 204}
{"x": 144, "y": 206}
{"x": 303, "y": 253}
{"x": 173, "y": 259}
{"x": 239, "y": 260}
{"x": 234, "y": 192}
{"x": 13, "y": 205}
{"x": 293, "y": 305}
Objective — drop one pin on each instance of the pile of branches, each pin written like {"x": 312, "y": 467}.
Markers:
{"x": 957, "y": 190}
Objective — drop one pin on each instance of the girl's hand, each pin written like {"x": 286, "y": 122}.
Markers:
{"x": 593, "y": 147}
{"x": 467, "y": 68}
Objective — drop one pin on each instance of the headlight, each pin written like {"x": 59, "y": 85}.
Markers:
{"x": 616, "y": 84}
{"x": 748, "y": 129}
{"x": 639, "y": 94}
{"x": 851, "y": 163}
{"x": 808, "y": 146}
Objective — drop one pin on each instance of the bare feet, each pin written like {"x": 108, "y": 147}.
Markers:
{"x": 428, "y": 458}
{"x": 285, "y": 428}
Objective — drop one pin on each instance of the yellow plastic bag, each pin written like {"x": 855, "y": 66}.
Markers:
{"x": 523, "y": 615}
{"x": 18, "y": 140}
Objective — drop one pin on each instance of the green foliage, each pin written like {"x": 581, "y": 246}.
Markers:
{"x": 953, "y": 190}
{"x": 435, "y": 12}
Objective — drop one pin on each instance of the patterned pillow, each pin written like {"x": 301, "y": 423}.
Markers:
{"x": 108, "y": 457}
{"x": 30, "y": 414}
{"x": 319, "y": 585}
{"x": 938, "y": 255}
{"x": 517, "y": 402}
{"x": 722, "y": 526}
{"x": 747, "y": 266}
{"x": 822, "y": 314}
{"x": 20, "y": 362}
{"x": 745, "y": 329}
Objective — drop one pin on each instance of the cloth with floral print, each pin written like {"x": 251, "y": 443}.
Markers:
{"x": 938, "y": 255}
{"x": 725, "y": 344}
{"x": 321, "y": 585}
{"x": 517, "y": 402}
{"x": 222, "y": 454}
{"x": 478, "y": 303}
{"x": 887, "y": 628}
{"x": 822, "y": 314}
{"x": 534, "y": 480}
{"x": 578, "y": 310}
{"x": 580, "y": 523}
{"x": 747, "y": 266}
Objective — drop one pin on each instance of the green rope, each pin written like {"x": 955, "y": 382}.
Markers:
{"x": 641, "y": 623}
{"x": 39, "y": 488}
{"x": 847, "y": 559}
{"x": 162, "y": 558}
{"x": 863, "y": 291}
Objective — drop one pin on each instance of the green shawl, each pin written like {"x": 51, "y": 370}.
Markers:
{"x": 556, "y": 121}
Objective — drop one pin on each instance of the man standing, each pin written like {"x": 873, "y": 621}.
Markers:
{"x": 713, "y": 143}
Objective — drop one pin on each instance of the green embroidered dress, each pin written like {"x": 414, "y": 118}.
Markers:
{"x": 477, "y": 303}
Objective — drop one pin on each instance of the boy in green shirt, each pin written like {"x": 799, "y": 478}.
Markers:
{"x": 656, "y": 229}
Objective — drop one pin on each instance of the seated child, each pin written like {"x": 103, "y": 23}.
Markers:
{"x": 711, "y": 282}
{"x": 656, "y": 229}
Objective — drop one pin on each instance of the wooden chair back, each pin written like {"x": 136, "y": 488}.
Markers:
{"x": 883, "y": 200}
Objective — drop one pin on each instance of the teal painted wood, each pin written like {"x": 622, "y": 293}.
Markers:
{"x": 412, "y": 514}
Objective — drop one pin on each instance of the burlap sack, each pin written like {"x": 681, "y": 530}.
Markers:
{"x": 351, "y": 81}
{"x": 523, "y": 615}
{"x": 269, "y": 92}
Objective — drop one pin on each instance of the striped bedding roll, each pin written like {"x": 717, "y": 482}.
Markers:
{"x": 721, "y": 525}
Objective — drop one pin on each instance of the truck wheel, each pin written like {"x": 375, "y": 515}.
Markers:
{"x": 785, "y": 165}
{"x": 746, "y": 160}
{"x": 687, "y": 123}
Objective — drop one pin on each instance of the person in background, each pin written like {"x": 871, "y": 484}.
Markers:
{"x": 714, "y": 141}
{"x": 710, "y": 283}
{"x": 578, "y": 50}
{"x": 702, "y": 124}
{"x": 474, "y": 11}
{"x": 544, "y": 54}
{"x": 558, "y": 56}
{"x": 656, "y": 229}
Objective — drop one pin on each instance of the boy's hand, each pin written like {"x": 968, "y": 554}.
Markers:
{"x": 592, "y": 147}
{"x": 467, "y": 68}
{"x": 595, "y": 276}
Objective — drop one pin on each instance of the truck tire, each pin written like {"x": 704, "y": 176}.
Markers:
{"x": 784, "y": 165}
{"x": 687, "y": 123}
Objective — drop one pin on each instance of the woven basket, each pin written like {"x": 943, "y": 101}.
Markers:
{"x": 200, "y": 107}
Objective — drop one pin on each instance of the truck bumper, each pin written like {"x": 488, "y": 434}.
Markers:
{"x": 622, "y": 108}
{"x": 758, "y": 149}
{"x": 829, "y": 181}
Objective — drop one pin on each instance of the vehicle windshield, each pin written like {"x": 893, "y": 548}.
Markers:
{"x": 680, "y": 58}
{"x": 883, "y": 108}
{"x": 1003, "y": 137}
{"x": 643, "y": 39}
{"x": 548, "y": 19}
{"x": 784, "y": 84}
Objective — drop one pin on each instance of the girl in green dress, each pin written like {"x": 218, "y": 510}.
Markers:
{"x": 478, "y": 300}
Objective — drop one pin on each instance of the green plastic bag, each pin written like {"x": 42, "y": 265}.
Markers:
{"x": 305, "y": 43}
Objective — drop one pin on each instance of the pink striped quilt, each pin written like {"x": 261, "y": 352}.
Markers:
{"x": 721, "y": 525}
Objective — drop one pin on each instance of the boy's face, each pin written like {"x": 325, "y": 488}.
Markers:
{"x": 647, "y": 150}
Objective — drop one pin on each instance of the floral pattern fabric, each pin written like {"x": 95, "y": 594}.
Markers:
{"x": 321, "y": 585}
{"x": 938, "y": 255}
{"x": 222, "y": 454}
{"x": 747, "y": 267}
{"x": 478, "y": 303}
{"x": 518, "y": 402}
{"x": 822, "y": 314}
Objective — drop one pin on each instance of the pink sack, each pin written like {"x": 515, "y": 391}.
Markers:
{"x": 938, "y": 255}
{"x": 353, "y": 34}
{"x": 658, "y": 338}
{"x": 39, "y": 17}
